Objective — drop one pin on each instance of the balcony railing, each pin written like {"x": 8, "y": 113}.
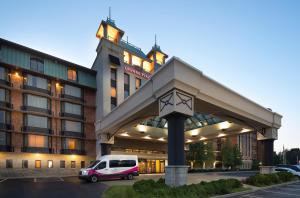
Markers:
{"x": 5, "y": 126}
{"x": 5, "y": 82}
{"x": 6, "y": 148}
{"x": 37, "y": 129}
{"x": 36, "y": 109}
{"x": 72, "y": 151}
{"x": 71, "y": 115}
{"x": 6, "y": 104}
{"x": 36, "y": 149}
{"x": 71, "y": 97}
{"x": 72, "y": 134}
{"x": 28, "y": 87}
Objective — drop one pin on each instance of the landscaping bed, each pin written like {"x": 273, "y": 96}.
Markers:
{"x": 151, "y": 188}
{"x": 261, "y": 180}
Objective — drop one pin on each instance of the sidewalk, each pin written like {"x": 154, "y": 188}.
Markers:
{"x": 34, "y": 173}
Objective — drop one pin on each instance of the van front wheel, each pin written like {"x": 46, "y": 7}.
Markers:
{"x": 130, "y": 177}
{"x": 94, "y": 178}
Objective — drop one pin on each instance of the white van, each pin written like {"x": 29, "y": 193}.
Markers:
{"x": 111, "y": 167}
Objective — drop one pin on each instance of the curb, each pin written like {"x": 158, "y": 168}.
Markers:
{"x": 254, "y": 189}
{"x": 39, "y": 176}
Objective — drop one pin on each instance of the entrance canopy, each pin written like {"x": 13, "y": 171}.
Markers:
{"x": 215, "y": 110}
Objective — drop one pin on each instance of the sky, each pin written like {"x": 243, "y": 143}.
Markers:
{"x": 252, "y": 46}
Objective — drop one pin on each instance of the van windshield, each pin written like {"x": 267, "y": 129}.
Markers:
{"x": 93, "y": 163}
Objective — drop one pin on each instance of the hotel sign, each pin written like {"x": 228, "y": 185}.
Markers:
{"x": 137, "y": 71}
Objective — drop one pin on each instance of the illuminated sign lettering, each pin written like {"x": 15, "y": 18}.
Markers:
{"x": 133, "y": 70}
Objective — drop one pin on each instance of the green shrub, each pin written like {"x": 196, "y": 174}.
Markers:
{"x": 269, "y": 179}
{"x": 285, "y": 176}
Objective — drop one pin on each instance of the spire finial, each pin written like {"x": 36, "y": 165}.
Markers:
{"x": 109, "y": 12}
{"x": 155, "y": 39}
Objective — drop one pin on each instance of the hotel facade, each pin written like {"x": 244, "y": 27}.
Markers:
{"x": 57, "y": 114}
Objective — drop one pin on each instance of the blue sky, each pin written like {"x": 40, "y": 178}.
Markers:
{"x": 253, "y": 47}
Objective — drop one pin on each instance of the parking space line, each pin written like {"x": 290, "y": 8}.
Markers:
{"x": 282, "y": 193}
{"x": 61, "y": 179}
{"x": 34, "y": 180}
{"x": 3, "y": 180}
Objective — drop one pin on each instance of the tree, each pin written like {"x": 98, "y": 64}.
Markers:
{"x": 237, "y": 156}
{"x": 227, "y": 154}
{"x": 231, "y": 155}
{"x": 209, "y": 153}
{"x": 199, "y": 153}
{"x": 196, "y": 153}
{"x": 277, "y": 158}
{"x": 292, "y": 156}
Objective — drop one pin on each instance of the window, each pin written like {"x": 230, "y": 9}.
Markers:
{"x": 138, "y": 83}
{"x": 72, "y": 144}
{"x": 3, "y": 74}
{"x": 148, "y": 67}
{"x": 113, "y": 88}
{"x": 126, "y": 57}
{"x": 121, "y": 163}
{"x": 36, "y": 101}
{"x": 37, "y": 65}
{"x": 72, "y": 108}
{"x": 50, "y": 164}
{"x": 73, "y": 164}
{"x": 126, "y": 85}
{"x": 136, "y": 61}
{"x": 72, "y": 74}
{"x": 38, "y": 164}
{"x": 82, "y": 164}
{"x": 39, "y": 141}
{"x": 24, "y": 163}
{"x": 4, "y": 138}
{"x": 37, "y": 121}
{"x": 102, "y": 165}
{"x": 73, "y": 91}
{"x": 37, "y": 82}
{"x": 62, "y": 164}
{"x": 72, "y": 126}
{"x": 9, "y": 163}
{"x": 4, "y": 117}
{"x": 4, "y": 95}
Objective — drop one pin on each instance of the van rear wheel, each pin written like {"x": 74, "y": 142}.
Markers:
{"x": 94, "y": 178}
{"x": 130, "y": 177}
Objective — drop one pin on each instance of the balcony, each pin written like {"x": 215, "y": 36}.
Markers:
{"x": 5, "y": 82}
{"x": 6, "y": 148}
{"x": 72, "y": 151}
{"x": 5, "y": 126}
{"x": 71, "y": 97}
{"x": 36, "y": 150}
{"x": 28, "y": 87}
{"x": 36, "y": 109}
{"x": 37, "y": 129}
{"x": 72, "y": 134}
{"x": 6, "y": 105}
{"x": 63, "y": 114}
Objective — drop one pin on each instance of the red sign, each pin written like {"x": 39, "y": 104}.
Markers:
{"x": 133, "y": 70}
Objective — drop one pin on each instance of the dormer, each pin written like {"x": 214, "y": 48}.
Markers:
{"x": 157, "y": 56}
{"x": 110, "y": 31}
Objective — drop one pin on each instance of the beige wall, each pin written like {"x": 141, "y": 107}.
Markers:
{"x": 31, "y": 157}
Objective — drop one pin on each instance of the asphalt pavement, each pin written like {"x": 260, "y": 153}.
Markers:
{"x": 73, "y": 187}
{"x": 286, "y": 191}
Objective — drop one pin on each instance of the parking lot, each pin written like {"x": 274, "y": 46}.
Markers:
{"x": 73, "y": 187}
{"x": 287, "y": 191}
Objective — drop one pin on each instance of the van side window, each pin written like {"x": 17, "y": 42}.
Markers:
{"x": 101, "y": 165}
{"x": 121, "y": 163}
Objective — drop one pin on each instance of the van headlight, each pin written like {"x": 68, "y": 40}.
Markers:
{"x": 85, "y": 172}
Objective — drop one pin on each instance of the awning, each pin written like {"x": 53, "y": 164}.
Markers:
{"x": 114, "y": 60}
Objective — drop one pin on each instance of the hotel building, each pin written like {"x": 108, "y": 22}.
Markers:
{"x": 55, "y": 113}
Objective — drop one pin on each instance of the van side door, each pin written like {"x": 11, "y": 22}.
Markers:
{"x": 101, "y": 169}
